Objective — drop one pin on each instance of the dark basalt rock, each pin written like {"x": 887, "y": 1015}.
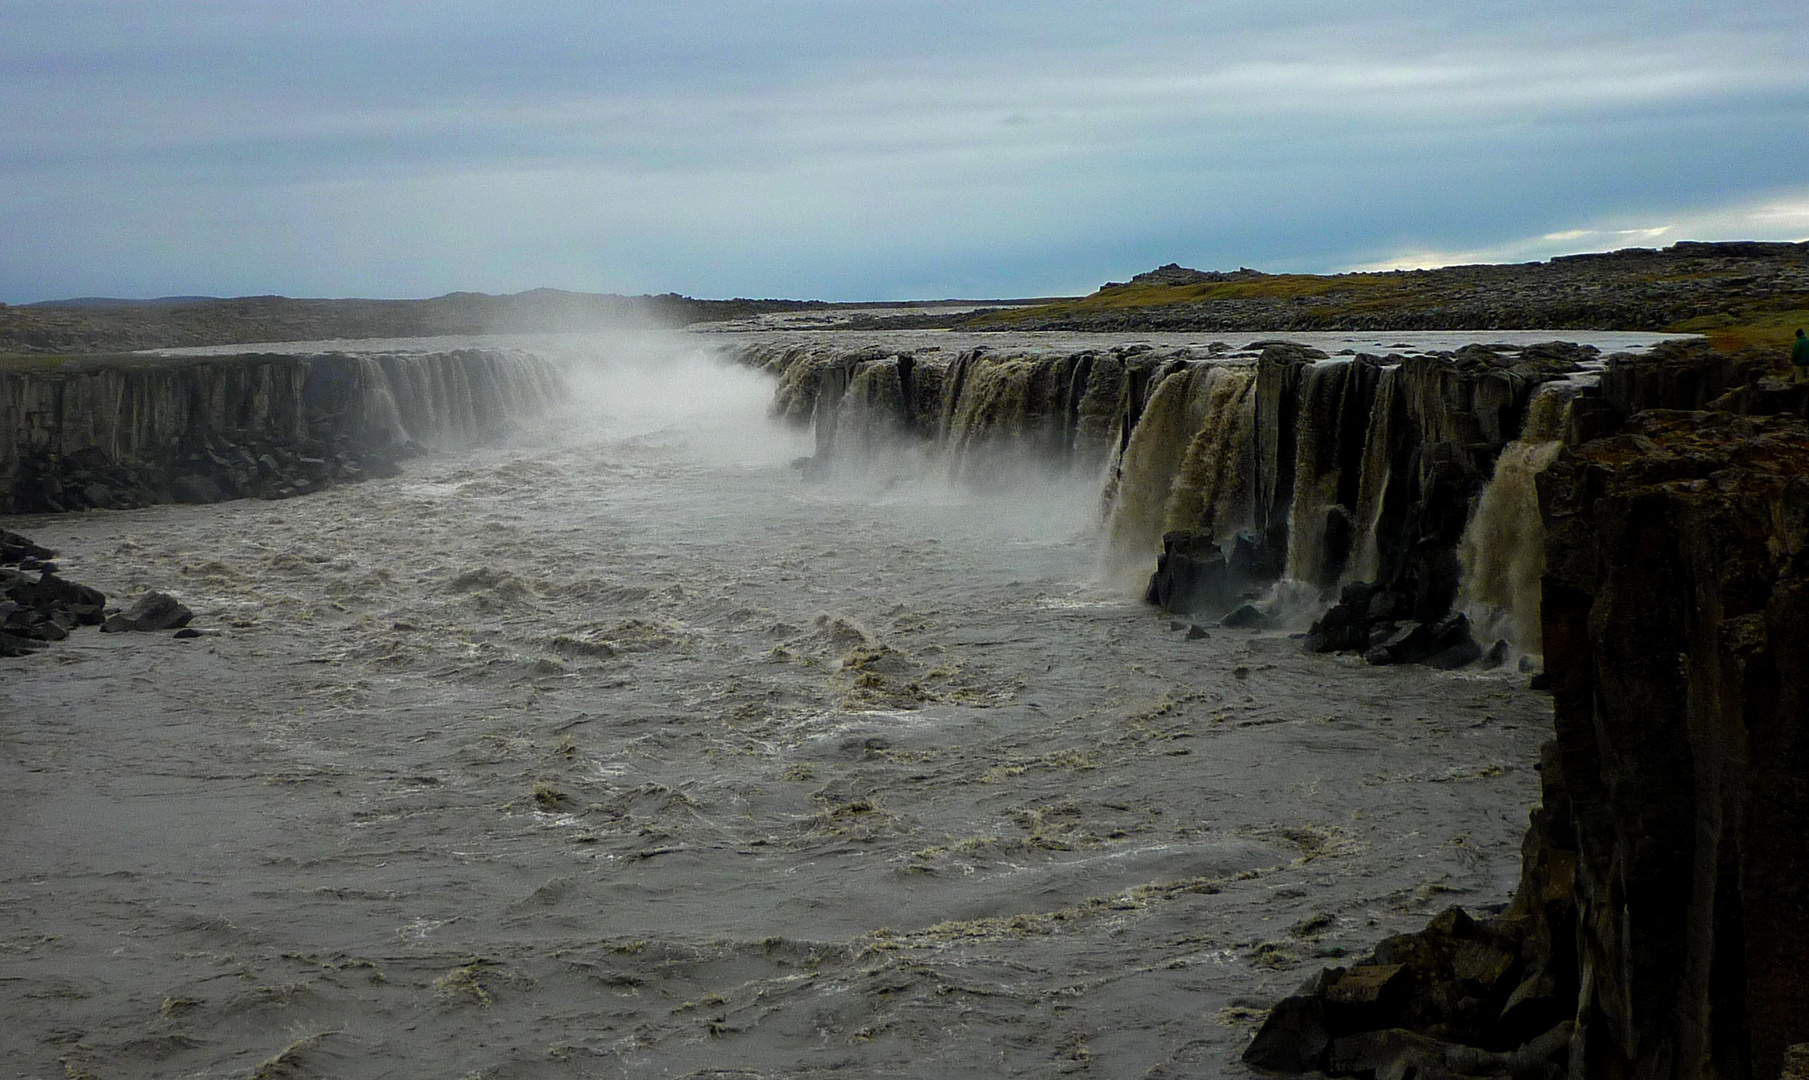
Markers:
{"x": 1427, "y": 1004}
{"x": 152, "y": 611}
{"x": 1246, "y": 617}
{"x": 1193, "y": 576}
{"x": 1676, "y": 609}
{"x": 36, "y": 611}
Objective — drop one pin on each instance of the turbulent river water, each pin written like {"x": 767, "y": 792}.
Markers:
{"x": 623, "y": 749}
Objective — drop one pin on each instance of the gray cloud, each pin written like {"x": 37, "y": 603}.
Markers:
{"x": 847, "y": 149}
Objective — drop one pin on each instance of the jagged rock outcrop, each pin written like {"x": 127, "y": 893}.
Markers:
{"x": 131, "y": 430}
{"x": 1661, "y": 926}
{"x": 36, "y": 612}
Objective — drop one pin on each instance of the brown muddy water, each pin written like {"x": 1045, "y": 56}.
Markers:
{"x": 621, "y": 750}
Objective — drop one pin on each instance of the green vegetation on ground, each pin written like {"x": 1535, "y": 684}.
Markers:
{"x": 1730, "y": 332}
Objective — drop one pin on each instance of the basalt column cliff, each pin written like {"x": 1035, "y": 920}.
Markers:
{"x": 114, "y": 431}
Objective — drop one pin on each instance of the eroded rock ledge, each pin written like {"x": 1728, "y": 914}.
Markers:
{"x": 132, "y": 430}
{"x": 1661, "y": 927}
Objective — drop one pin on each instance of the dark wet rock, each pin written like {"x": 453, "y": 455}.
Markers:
{"x": 12, "y": 644}
{"x": 1295, "y": 1037}
{"x": 1246, "y": 617}
{"x": 195, "y": 488}
{"x": 50, "y": 592}
{"x": 43, "y": 609}
{"x": 1347, "y": 626}
{"x": 1496, "y": 656}
{"x": 186, "y": 633}
{"x": 14, "y": 548}
{"x": 1192, "y": 575}
{"x": 1676, "y": 609}
{"x": 1459, "y": 654}
{"x": 1429, "y": 1001}
{"x": 152, "y": 611}
{"x": 1196, "y": 633}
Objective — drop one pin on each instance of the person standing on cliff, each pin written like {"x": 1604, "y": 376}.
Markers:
{"x": 1799, "y": 356}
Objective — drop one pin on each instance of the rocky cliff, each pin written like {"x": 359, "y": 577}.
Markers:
{"x": 1660, "y": 925}
{"x": 1676, "y": 615}
{"x": 114, "y": 431}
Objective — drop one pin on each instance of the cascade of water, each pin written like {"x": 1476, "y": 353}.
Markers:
{"x": 1503, "y": 547}
{"x": 832, "y": 388}
{"x": 459, "y": 396}
{"x": 1152, "y": 457}
{"x": 1211, "y": 491}
{"x": 873, "y": 410}
{"x": 1377, "y": 470}
{"x": 1316, "y": 518}
{"x": 381, "y": 420}
{"x": 992, "y": 409}
{"x": 464, "y": 399}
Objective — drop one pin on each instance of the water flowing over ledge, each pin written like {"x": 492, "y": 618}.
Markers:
{"x": 1275, "y": 473}
{"x": 114, "y": 431}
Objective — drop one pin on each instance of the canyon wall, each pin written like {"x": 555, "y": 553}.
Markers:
{"x": 1677, "y": 641}
{"x": 114, "y": 431}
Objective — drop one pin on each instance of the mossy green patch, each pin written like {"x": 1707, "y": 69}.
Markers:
{"x": 1731, "y": 331}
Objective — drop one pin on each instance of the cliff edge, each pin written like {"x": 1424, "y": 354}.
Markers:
{"x": 1661, "y": 927}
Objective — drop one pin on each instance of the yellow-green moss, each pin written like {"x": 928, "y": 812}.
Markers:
{"x": 1730, "y": 331}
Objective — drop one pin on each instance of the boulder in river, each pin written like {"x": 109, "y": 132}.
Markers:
{"x": 152, "y": 611}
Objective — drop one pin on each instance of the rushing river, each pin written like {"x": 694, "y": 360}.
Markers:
{"x": 624, "y": 750}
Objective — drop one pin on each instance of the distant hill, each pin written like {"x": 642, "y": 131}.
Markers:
{"x": 1738, "y": 293}
{"x": 114, "y": 301}
{"x": 103, "y": 324}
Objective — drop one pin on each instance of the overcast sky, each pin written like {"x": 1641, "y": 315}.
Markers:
{"x": 854, "y": 149}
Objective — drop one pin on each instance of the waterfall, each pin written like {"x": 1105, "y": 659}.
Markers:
{"x": 1334, "y": 412}
{"x": 1313, "y": 516}
{"x": 1211, "y": 491}
{"x": 1503, "y": 547}
{"x": 380, "y": 419}
{"x": 1376, "y": 472}
{"x": 875, "y": 411}
{"x": 455, "y": 397}
{"x": 1151, "y": 460}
